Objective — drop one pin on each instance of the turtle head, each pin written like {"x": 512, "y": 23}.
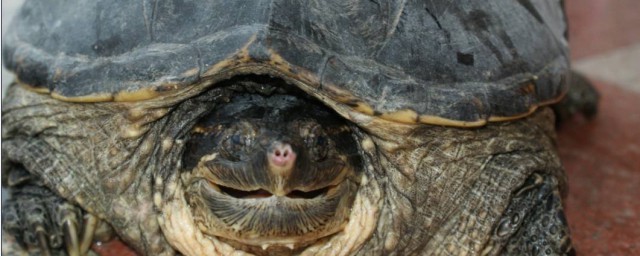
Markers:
{"x": 271, "y": 172}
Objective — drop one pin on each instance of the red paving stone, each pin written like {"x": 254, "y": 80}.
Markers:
{"x": 602, "y": 25}
{"x": 602, "y": 159}
{"x": 111, "y": 248}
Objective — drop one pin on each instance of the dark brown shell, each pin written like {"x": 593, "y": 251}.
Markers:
{"x": 410, "y": 61}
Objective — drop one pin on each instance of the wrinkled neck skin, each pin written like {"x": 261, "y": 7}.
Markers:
{"x": 445, "y": 189}
{"x": 425, "y": 190}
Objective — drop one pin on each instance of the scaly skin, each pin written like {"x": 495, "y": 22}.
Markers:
{"x": 446, "y": 189}
{"x": 430, "y": 190}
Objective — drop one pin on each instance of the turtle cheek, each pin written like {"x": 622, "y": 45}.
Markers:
{"x": 241, "y": 175}
{"x": 310, "y": 175}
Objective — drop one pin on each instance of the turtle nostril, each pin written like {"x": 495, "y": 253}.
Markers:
{"x": 282, "y": 155}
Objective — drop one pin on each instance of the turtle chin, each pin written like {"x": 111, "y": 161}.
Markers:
{"x": 257, "y": 221}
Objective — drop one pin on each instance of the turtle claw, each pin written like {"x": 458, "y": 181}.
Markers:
{"x": 90, "y": 228}
{"x": 71, "y": 238}
{"x": 70, "y": 223}
{"x": 43, "y": 242}
{"x": 70, "y": 220}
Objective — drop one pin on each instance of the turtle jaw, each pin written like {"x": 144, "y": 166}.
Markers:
{"x": 258, "y": 223}
{"x": 284, "y": 212}
{"x": 271, "y": 216}
{"x": 185, "y": 234}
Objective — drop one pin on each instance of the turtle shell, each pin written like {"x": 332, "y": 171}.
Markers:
{"x": 459, "y": 63}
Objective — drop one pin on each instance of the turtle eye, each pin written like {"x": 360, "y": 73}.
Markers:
{"x": 235, "y": 146}
{"x": 317, "y": 144}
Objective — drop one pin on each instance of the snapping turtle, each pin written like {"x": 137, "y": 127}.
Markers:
{"x": 283, "y": 127}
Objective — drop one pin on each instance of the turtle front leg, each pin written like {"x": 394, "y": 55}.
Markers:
{"x": 41, "y": 222}
{"x": 534, "y": 223}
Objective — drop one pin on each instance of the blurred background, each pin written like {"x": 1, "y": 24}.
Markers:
{"x": 9, "y": 9}
{"x": 602, "y": 155}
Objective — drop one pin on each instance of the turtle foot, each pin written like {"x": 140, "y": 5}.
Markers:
{"x": 42, "y": 223}
{"x": 581, "y": 98}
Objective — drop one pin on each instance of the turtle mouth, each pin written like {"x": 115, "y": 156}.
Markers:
{"x": 255, "y": 208}
{"x": 183, "y": 225}
{"x": 257, "y": 220}
{"x": 262, "y": 193}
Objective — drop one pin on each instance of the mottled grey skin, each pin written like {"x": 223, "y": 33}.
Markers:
{"x": 101, "y": 112}
{"x": 446, "y": 190}
{"x": 456, "y": 191}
